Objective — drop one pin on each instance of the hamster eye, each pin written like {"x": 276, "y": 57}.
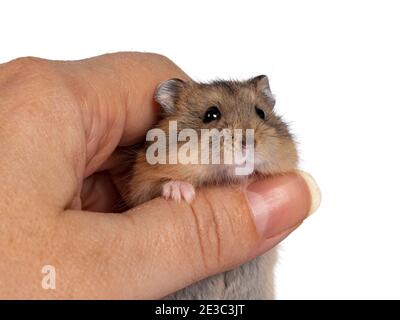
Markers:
{"x": 260, "y": 113}
{"x": 212, "y": 114}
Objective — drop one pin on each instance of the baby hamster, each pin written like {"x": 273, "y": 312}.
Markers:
{"x": 217, "y": 105}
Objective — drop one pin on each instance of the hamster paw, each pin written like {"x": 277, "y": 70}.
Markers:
{"x": 176, "y": 190}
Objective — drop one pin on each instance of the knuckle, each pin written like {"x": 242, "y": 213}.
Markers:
{"x": 165, "y": 63}
{"x": 29, "y": 64}
{"x": 32, "y": 72}
{"x": 159, "y": 57}
{"x": 28, "y": 60}
{"x": 139, "y": 57}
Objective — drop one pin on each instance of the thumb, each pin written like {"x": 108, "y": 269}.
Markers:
{"x": 162, "y": 246}
{"x": 222, "y": 228}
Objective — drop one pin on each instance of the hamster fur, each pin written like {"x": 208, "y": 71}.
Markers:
{"x": 241, "y": 105}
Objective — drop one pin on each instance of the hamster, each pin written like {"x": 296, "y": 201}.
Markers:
{"x": 217, "y": 105}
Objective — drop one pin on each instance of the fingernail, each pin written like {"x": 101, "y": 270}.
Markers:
{"x": 282, "y": 202}
{"x": 314, "y": 189}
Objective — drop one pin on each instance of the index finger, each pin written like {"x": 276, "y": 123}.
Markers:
{"x": 80, "y": 110}
{"x": 116, "y": 95}
{"x": 125, "y": 82}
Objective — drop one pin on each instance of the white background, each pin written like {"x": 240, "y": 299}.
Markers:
{"x": 334, "y": 67}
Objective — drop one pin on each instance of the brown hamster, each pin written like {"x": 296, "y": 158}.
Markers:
{"x": 238, "y": 105}
{"x": 216, "y": 105}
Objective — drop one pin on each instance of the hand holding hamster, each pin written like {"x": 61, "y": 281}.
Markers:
{"x": 60, "y": 127}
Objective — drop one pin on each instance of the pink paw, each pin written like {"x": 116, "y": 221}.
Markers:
{"x": 176, "y": 190}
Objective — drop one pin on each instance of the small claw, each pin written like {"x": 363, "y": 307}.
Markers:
{"x": 176, "y": 190}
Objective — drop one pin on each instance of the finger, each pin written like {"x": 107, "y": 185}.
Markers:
{"x": 133, "y": 76}
{"x": 116, "y": 94}
{"x": 81, "y": 111}
{"x": 162, "y": 246}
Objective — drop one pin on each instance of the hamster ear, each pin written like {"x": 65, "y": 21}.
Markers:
{"x": 167, "y": 94}
{"x": 262, "y": 84}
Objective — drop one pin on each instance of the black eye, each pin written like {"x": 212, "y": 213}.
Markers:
{"x": 212, "y": 114}
{"x": 260, "y": 113}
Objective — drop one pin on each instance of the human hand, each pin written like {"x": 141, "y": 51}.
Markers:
{"x": 61, "y": 124}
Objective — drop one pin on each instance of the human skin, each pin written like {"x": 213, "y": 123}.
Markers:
{"x": 60, "y": 125}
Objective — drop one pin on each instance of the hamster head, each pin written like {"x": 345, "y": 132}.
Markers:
{"x": 232, "y": 105}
